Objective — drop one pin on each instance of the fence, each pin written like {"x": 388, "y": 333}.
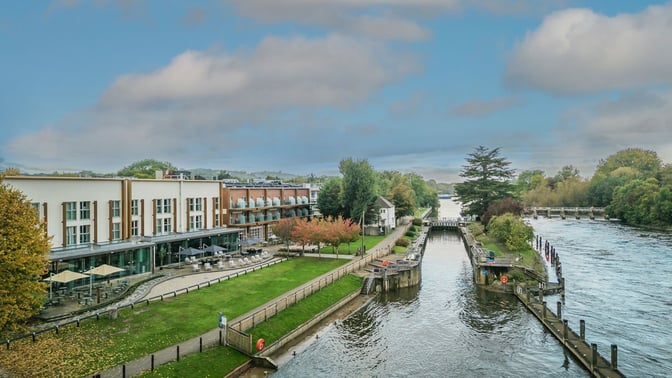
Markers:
{"x": 235, "y": 335}
{"x": 112, "y": 311}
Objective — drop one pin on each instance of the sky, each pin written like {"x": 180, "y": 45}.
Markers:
{"x": 296, "y": 86}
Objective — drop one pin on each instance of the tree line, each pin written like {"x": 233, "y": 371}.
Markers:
{"x": 353, "y": 195}
{"x": 633, "y": 185}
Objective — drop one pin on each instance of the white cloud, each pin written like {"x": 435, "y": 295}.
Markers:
{"x": 217, "y": 105}
{"x": 577, "y": 50}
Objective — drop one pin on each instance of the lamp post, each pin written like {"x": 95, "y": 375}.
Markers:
{"x": 363, "y": 212}
{"x": 90, "y": 283}
{"x": 51, "y": 284}
{"x": 179, "y": 259}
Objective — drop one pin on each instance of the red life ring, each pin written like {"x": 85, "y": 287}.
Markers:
{"x": 504, "y": 279}
{"x": 260, "y": 345}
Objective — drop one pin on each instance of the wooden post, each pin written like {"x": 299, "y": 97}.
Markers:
{"x": 559, "y": 305}
{"x": 543, "y": 310}
{"x": 593, "y": 357}
{"x": 565, "y": 328}
{"x": 614, "y": 356}
{"x": 582, "y": 329}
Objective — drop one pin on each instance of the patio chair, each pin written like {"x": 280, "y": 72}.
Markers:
{"x": 196, "y": 268}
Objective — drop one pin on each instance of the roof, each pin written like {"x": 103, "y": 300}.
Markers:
{"x": 384, "y": 203}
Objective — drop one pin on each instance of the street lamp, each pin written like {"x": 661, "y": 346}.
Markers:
{"x": 51, "y": 284}
{"x": 90, "y": 283}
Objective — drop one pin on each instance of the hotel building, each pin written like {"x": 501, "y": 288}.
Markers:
{"x": 142, "y": 225}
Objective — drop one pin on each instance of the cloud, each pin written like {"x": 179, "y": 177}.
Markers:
{"x": 224, "y": 105}
{"x": 480, "y": 108}
{"x": 579, "y": 51}
{"x": 282, "y": 72}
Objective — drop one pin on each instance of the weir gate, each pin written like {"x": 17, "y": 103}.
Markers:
{"x": 564, "y": 212}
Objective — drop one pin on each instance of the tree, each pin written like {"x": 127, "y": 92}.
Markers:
{"x": 501, "y": 207}
{"x": 24, "y": 247}
{"x": 329, "y": 198}
{"x": 488, "y": 179}
{"x": 512, "y": 231}
{"x": 404, "y": 200}
{"x": 145, "y": 169}
{"x": 283, "y": 229}
{"x": 529, "y": 180}
{"x": 644, "y": 162}
{"x": 359, "y": 189}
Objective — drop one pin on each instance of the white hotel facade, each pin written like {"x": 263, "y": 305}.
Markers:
{"x": 141, "y": 225}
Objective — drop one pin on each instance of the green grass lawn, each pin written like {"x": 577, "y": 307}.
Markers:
{"x": 98, "y": 345}
{"x": 351, "y": 249}
{"x": 218, "y": 361}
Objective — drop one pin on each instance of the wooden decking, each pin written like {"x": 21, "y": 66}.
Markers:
{"x": 576, "y": 344}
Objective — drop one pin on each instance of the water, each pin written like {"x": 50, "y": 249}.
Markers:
{"x": 449, "y": 328}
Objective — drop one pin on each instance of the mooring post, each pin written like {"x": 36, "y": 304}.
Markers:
{"x": 614, "y": 356}
{"x": 541, "y": 294}
{"x": 559, "y": 305}
{"x": 582, "y": 329}
{"x": 543, "y": 310}
{"x": 593, "y": 357}
{"x": 565, "y": 328}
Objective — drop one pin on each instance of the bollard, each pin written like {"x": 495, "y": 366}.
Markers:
{"x": 559, "y": 305}
{"x": 582, "y": 329}
{"x": 161, "y": 297}
{"x": 593, "y": 357}
{"x": 565, "y": 328}
{"x": 200, "y": 344}
{"x": 614, "y": 356}
{"x": 123, "y": 371}
{"x": 33, "y": 336}
{"x": 77, "y": 322}
{"x": 220, "y": 337}
{"x": 178, "y": 353}
{"x": 7, "y": 344}
{"x": 543, "y": 310}
{"x": 56, "y": 329}
{"x": 152, "y": 362}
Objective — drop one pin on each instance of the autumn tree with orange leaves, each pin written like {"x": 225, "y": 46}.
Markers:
{"x": 24, "y": 247}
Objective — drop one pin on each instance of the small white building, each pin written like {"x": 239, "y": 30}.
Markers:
{"x": 386, "y": 219}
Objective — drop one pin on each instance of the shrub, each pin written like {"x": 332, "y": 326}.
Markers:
{"x": 417, "y": 221}
{"x": 401, "y": 242}
{"x": 512, "y": 231}
{"x": 410, "y": 234}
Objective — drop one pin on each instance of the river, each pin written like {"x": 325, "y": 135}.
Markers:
{"x": 447, "y": 327}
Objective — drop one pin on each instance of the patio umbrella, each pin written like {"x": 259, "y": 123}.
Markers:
{"x": 251, "y": 241}
{"x": 215, "y": 248}
{"x": 101, "y": 270}
{"x": 104, "y": 270}
{"x": 190, "y": 251}
{"x": 66, "y": 276}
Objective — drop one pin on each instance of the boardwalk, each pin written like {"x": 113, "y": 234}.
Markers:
{"x": 585, "y": 353}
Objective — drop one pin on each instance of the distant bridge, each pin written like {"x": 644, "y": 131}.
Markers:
{"x": 564, "y": 212}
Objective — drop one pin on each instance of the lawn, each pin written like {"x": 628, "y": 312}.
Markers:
{"x": 217, "y": 362}
{"x": 98, "y": 345}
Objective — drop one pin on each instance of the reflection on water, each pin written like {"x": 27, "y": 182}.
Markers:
{"x": 447, "y": 327}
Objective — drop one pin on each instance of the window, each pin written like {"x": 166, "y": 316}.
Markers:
{"x": 84, "y": 210}
{"x": 134, "y": 207}
{"x": 71, "y": 235}
{"x": 159, "y": 206}
{"x": 134, "y": 228}
{"x": 216, "y": 202}
{"x": 195, "y": 204}
{"x": 36, "y": 208}
{"x": 166, "y": 206}
{"x": 116, "y": 208}
{"x": 84, "y": 234}
{"x": 195, "y": 222}
{"x": 71, "y": 211}
{"x": 116, "y": 231}
{"x": 163, "y": 226}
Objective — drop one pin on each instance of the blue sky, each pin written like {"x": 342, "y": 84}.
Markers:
{"x": 298, "y": 85}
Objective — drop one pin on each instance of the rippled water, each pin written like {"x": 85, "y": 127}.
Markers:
{"x": 449, "y": 328}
